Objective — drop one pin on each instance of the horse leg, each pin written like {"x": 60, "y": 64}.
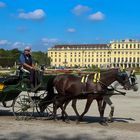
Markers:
{"x": 101, "y": 108}
{"x": 55, "y": 111}
{"x": 66, "y": 118}
{"x": 74, "y": 101}
{"x": 56, "y": 105}
{"x": 88, "y": 104}
{"x": 109, "y": 102}
{"x": 64, "y": 108}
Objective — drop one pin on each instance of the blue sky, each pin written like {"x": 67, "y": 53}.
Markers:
{"x": 44, "y": 23}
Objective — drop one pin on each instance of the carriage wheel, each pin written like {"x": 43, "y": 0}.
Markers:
{"x": 48, "y": 112}
{"x": 23, "y": 107}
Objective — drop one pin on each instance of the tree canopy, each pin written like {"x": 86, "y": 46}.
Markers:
{"x": 9, "y": 57}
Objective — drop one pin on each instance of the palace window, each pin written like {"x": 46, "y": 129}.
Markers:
{"x": 118, "y": 59}
{"x": 114, "y": 59}
{"x": 134, "y": 60}
{"x": 138, "y": 59}
{"x": 119, "y": 46}
{"x": 134, "y": 45}
{"x": 126, "y": 59}
{"x": 130, "y": 59}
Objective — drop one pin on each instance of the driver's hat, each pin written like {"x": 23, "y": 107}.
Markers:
{"x": 28, "y": 48}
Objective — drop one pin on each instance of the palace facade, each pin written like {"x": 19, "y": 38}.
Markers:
{"x": 114, "y": 54}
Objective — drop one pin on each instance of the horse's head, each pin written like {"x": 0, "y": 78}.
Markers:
{"x": 123, "y": 79}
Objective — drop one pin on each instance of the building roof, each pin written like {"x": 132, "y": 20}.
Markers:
{"x": 76, "y": 46}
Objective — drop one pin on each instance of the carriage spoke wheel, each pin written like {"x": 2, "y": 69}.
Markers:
{"x": 23, "y": 108}
{"x": 48, "y": 112}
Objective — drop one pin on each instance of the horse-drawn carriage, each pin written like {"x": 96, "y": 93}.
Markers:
{"x": 23, "y": 100}
{"x": 68, "y": 86}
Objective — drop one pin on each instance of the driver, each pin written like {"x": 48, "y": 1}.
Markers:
{"x": 26, "y": 63}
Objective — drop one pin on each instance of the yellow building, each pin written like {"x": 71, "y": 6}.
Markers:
{"x": 125, "y": 53}
{"x": 116, "y": 53}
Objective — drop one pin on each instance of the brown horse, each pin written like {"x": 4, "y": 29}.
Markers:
{"x": 101, "y": 100}
{"x": 70, "y": 87}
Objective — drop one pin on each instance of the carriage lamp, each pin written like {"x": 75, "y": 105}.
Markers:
{"x": 2, "y": 86}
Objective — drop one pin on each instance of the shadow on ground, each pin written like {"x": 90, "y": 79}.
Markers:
{"x": 25, "y": 136}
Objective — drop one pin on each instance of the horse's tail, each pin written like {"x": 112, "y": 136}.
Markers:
{"x": 50, "y": 87}
{"x": 50, "y": 94}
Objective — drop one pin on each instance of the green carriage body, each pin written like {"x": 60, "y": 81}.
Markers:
{"x": 10, "y": 92}
{"x": 14, "y": 85}
{"x": 23, "y": 104}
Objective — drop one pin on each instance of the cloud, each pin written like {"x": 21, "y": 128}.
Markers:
{"x": 4, "y": 42}
{"x": 20, "y": 45}
{"x": 71, "y": 30}
{"x": 38, "y": 14}
{"x": 80, "y": 9}
{"x": 2, "y": 4}
{"x": 49, "y": 41}
{"x": 98, "y": 16}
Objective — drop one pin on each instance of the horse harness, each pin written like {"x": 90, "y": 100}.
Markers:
{"x": 95, "y": 80}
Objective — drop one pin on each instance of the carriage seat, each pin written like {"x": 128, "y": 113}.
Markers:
{"x": 10, "y": 80}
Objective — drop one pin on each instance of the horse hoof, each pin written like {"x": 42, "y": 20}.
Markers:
{"x": 104, "y": 123}
{"x": 67, "y": 121}
{"x": 109, "y": 120}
